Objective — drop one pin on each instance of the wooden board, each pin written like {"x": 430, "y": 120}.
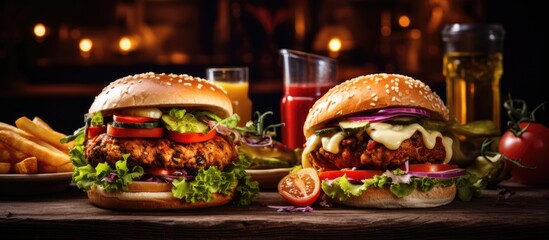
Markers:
{"x": 69, "y": 215}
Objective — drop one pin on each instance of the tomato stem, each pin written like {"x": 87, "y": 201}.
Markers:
{"x": 520, "y": 113}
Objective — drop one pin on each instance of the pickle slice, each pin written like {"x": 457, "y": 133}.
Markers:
{"x": 434, "y": 125}
{"x": 351, "y": 127}
{"x": 402, "y": 120}
{"x": 135, "y": 125}
{"x": 326, "y": 131}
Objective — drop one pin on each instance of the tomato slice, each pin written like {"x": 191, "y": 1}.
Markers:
{"x": 354, "y": 174}
{"x": 160, "y": 171}
{"x": 135, "y": 132}
{"x": 300, "y": 188}
{"x": 429, "y": 167}
{"x": 94, "y": 131}
{"x": 132, "y": 119}
{"x": 190, "y": 137}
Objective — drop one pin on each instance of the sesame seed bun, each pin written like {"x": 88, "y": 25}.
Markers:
{"x": 371, "y": 92}
{"x": 162, "y": 90}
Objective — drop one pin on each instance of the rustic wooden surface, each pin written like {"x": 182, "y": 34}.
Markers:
{"x": 69, "y": 215}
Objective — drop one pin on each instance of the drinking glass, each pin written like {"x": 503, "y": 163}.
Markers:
{"x": 235, "y": 81}
{"x": 473, "y": 65}
{"x": 306, "y": 78}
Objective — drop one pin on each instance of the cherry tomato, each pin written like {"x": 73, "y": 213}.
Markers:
{"x": 132, "y": 119}
{"x": 354, "y": 174}
{"x": 135, "y": 132}
{"x": 429, "y": 167}
{"x": 190, "y": 137}
{"x": 300, "y": 188}
{"x": 96, "y": 130}
{"x": 531, "y": 149}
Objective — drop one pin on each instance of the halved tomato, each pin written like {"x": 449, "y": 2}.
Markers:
{"x": 132, "y": 119}
{"x": 190, "y": 137}
{"x": 135, "y": 132}
{"x": 94, "y": 131}
{"x": 354, "y": 174}
{"x": 300, "y": 188}
{"x": 429, "y": 167}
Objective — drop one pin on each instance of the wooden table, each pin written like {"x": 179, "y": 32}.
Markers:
{"x": 68, "y": 214}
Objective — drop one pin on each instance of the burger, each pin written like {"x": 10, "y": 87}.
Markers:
{"x": 378, "y": 141}
{"x": 160, "y": 142}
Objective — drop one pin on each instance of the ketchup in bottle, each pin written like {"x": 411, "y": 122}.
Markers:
{"x": 307, "y": 77}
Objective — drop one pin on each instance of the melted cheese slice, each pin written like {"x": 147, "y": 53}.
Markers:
{"x": 391, "y": 136}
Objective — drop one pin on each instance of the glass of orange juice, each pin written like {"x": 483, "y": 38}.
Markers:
{"x": 235, "y": 81}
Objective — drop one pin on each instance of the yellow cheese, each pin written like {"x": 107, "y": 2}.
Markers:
{"x": 331, "y": 144}
{"x": 310, "y": 145}
{"x": 391, "y": 136}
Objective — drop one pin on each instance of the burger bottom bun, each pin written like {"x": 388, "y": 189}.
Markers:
{"x": 146, "y": 196}
{"x": 383, "y": 198}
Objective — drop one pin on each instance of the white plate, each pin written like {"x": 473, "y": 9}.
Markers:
{"x": 29, "y": 184}
{"x": 268, "y": 178}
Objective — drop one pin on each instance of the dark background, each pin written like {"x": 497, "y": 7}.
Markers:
{"x": 49, "y": 78}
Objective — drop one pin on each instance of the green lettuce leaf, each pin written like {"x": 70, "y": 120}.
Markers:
{"x": 97, "y": 119}
{"x": 111, "y": 179}
{"x": 341, "y": 189}
{"x": 213, "y": 180}
{"x": 180, "y": 120}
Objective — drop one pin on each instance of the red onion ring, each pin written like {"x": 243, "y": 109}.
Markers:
{"x": 453, "y": 173}
{"x": 388, "y": 113}
{"x": 403, "y": 110}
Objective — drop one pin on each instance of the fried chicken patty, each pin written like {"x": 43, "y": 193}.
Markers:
{"x": 362, "y": 152}
{"x": 161, "y": 152}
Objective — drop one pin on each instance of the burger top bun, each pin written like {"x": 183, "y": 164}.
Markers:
{"x": 371, "y": 92}
{"x": 162, "y": 90}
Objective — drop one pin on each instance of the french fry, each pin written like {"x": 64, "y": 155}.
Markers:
{"x": 67, "y": 167}
{"x": 42, "y": 153}
{"x": 49, "y": 136}
{"x": 5, "y": 155}
{"x": 27, "y": 166}
{"x": 8, "y": 154}
{"x": 8, "y": 127}
{"x": 5, "y": 167}
{"x": 45, "y": 168}
{"x": 41, "y": 123}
